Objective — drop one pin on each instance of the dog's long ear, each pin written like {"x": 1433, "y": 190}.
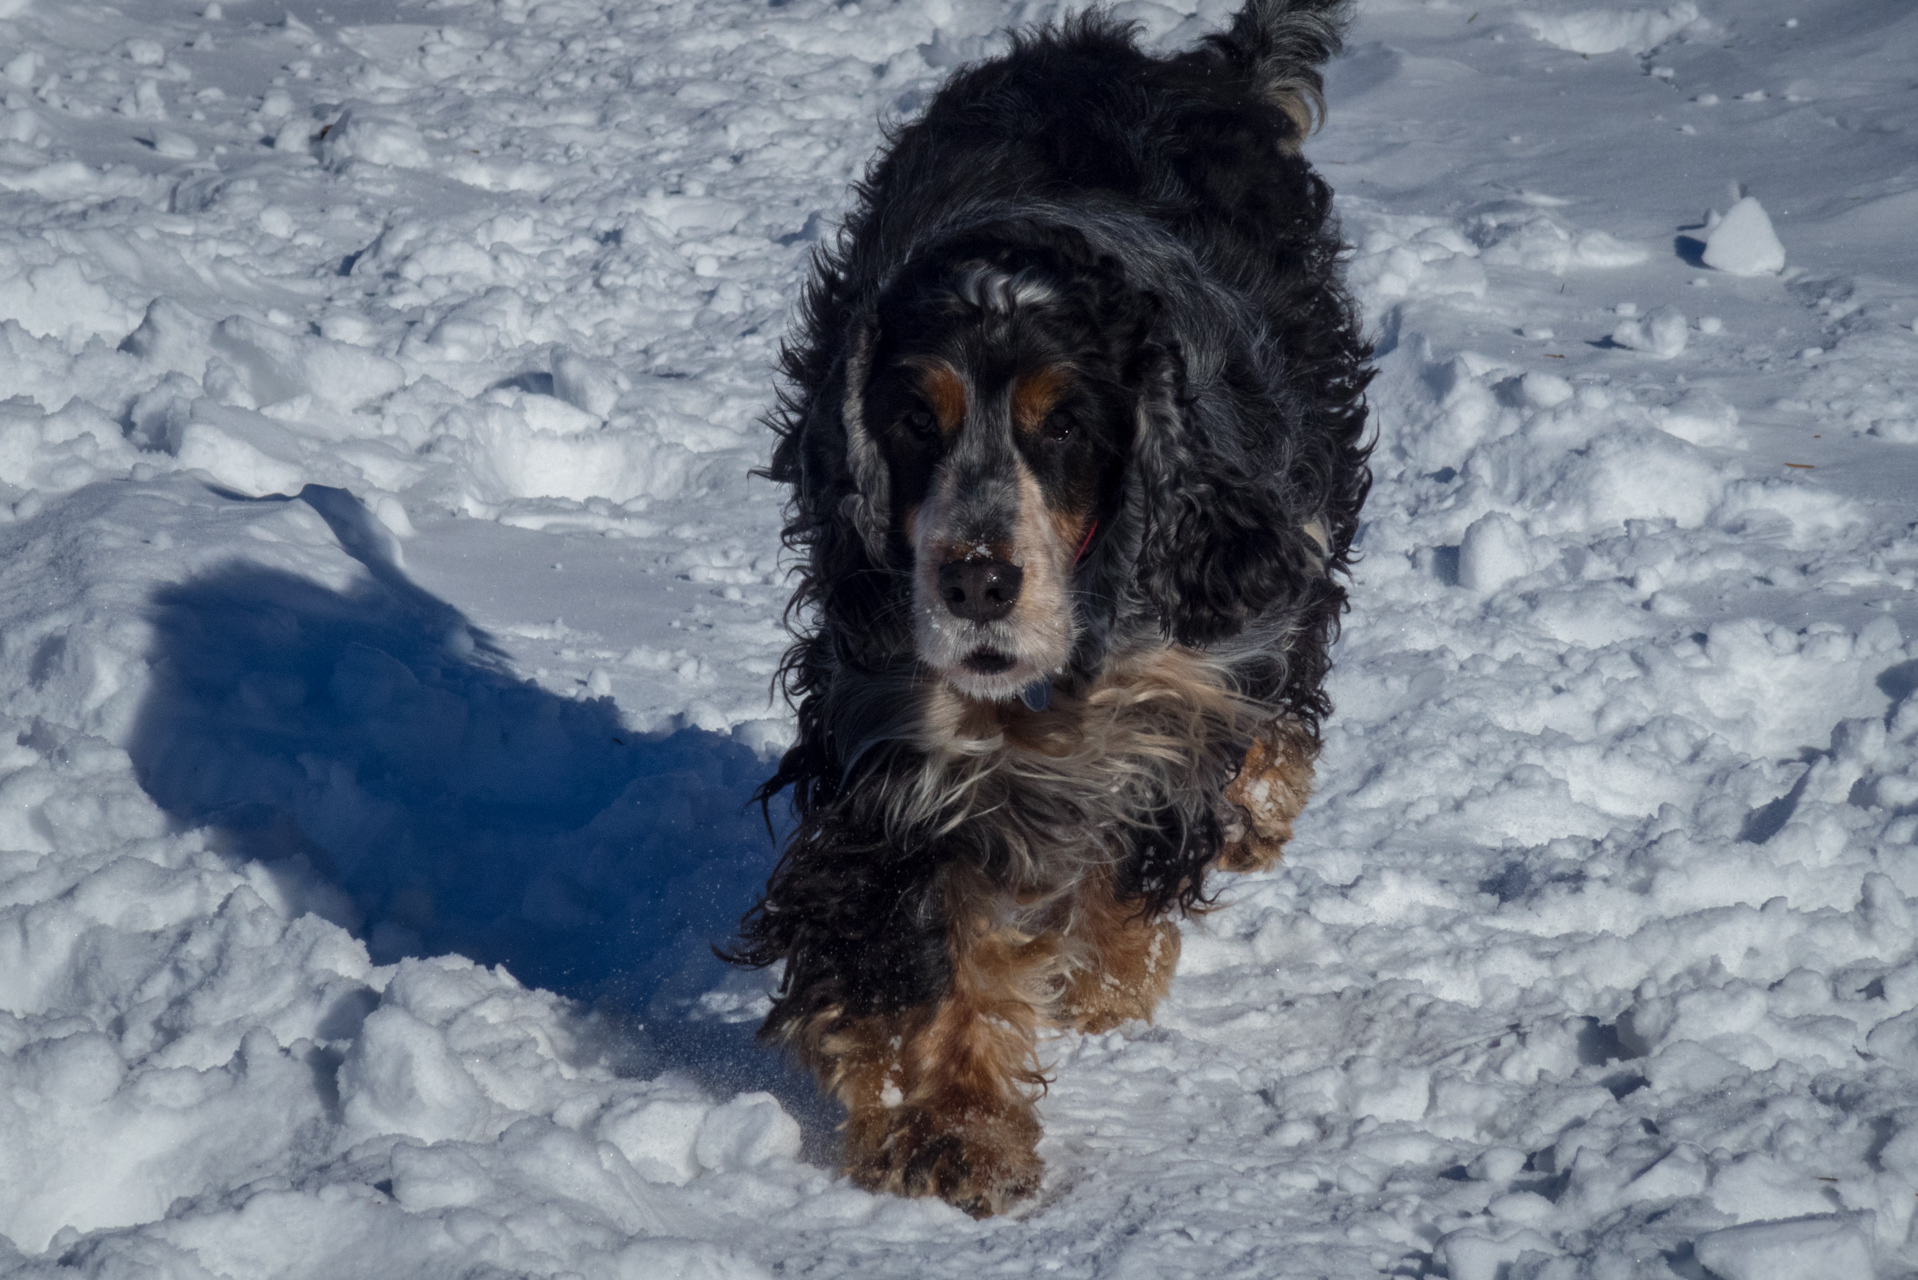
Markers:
{"x": 1226, "y": 535}
{"x": 869, "y": 505}
{"x": 842, "y": 478}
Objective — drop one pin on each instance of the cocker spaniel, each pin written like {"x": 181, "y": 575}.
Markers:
{"x": 1072, "y": 418}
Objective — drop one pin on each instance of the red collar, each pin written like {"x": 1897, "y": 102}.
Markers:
{"x": 1086, "y": 545}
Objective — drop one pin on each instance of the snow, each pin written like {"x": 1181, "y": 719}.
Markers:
{"x": 1590, "y": 31}
{"x": 387, "y": 615}
{"x": 1661, "y": 334}
{"x": 1795, "y": 1249}
{"x": 1743, "y": 242}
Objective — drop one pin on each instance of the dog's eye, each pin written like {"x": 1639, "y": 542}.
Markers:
{"x": 1057, "y": 428}
{"x": 920, "y": 422}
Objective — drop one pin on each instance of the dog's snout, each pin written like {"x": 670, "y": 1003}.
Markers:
{"x": 980, "y": 590}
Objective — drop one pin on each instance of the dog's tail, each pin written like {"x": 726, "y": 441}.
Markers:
{"x": 1281, "y": 44}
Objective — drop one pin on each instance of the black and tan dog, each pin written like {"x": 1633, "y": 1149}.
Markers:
{"x": 1073, "y": 422}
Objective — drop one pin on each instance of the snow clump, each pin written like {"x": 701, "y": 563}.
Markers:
{"x": 1795, "y": 1249}
{"x": 1608, "y": 30}
{"x": 1742, "y": 243}
{"x": 1661, "y": 334}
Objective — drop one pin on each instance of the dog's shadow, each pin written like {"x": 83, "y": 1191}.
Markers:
{"x": 374, "y": 751}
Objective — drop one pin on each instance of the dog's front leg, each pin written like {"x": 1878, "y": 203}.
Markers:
{"x": 939, "y": 1098}
{"x": 1271, "y": 789}
{"x": 1124, "y": 959}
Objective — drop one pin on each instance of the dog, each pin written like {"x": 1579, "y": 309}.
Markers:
{"x": 1072, "y": 413}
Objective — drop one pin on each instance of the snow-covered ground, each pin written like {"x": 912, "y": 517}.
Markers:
{"x": 387, "y": 614}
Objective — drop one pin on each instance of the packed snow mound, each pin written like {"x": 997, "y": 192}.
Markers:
{"x": 1661, "y": 334}
{"x": 1743, "y": 243}
{"x": 1609, "y": 30}
{"x": 1811, "y": 1248}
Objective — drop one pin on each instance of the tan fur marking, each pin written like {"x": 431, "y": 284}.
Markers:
{"x": 1035, "y": 393}
{"x": 945, "y": 393}
{"x": 1272, "y": 787}
{"x": 940, "y": 1102}
{"x": 1304, "y": 103}
{"x": 1129, "y": 964}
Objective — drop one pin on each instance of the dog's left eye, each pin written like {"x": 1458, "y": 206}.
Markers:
{"x": 920, "y": 422}
{"x": 1057, "y": 428}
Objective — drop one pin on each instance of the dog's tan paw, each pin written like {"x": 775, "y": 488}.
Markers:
{"x": 1272, "y": 787}
{"x": 982, "y": 1165}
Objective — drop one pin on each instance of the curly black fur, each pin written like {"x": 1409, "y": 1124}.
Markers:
{"x": 1170, "y": 192}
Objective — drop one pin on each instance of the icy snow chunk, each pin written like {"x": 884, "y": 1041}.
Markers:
{"x": 142, "y": 52}
{"x": 277, "y": 366}
{"x": 690, "y": 214}
{"x": 1517, "y": 234}
{"x": 1544, "y": 390}
{"x": 1743, "y": 243}
{"x": 170, "y": 337}
{"x": 391, "y": 512}
{"x": 441, "y": 1177}
{"x": 1701, "y": 418}
{"x": 374, "y": 139}
{"x": 1808, "y": 511}
{"x": 747, "y": 1132}
{"x": 1815, "y": 1248}
{"x": 584, "y": 384}
{"x": 22, "y": 68}
{"x": 174, "y": 146}
{"x": 1679, "y": 1173}
{"x": 1472, "y": 1255}
{"x": 59, "y": 452}
{"x": 1896, "y": 1040}
{"x": 239, "y": 449}
{"x": 1494, "y": 551}
{"x": 402, "y": 1077}
{"x": 1661, "y": 334}
{"x": 1606, "y": 30}
{"x": 657, "y": 1136}
{"x": 57, "y": 300}
{"x": 1497, "y": 1164}
{"x": 1521, "y": 1207}
{"x": 144, "y": 103}
{"x": 1403, "y": 257}
{"x": 500, "y": 173}
{"x": 533, "y": 446}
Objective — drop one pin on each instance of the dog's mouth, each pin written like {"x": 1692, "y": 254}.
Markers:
{"x": 990, "y": 675}
{"x": 988, "y": 662}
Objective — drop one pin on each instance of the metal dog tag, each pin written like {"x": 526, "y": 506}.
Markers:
{"x": 1037, "y": 696}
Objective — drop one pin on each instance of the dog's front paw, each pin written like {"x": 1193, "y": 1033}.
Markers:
{"x": 981, "y": 1162}
{"x": 1271, "y": 788}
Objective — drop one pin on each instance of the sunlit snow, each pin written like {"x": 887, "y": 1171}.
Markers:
{"x": 387, "y": 617}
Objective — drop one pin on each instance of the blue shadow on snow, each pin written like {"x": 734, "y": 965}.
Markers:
{"x": 379, "y": 736}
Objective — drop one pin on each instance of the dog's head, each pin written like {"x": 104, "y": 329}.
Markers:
{"x": 1019, "y": 437}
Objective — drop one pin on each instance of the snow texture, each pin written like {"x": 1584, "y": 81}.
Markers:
{"x": 387, "y": 613}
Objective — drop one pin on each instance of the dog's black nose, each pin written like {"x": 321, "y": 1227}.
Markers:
{"x": 980, "y": 590}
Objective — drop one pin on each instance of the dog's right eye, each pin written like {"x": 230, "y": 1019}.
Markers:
{"x": 920, "y": 423}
